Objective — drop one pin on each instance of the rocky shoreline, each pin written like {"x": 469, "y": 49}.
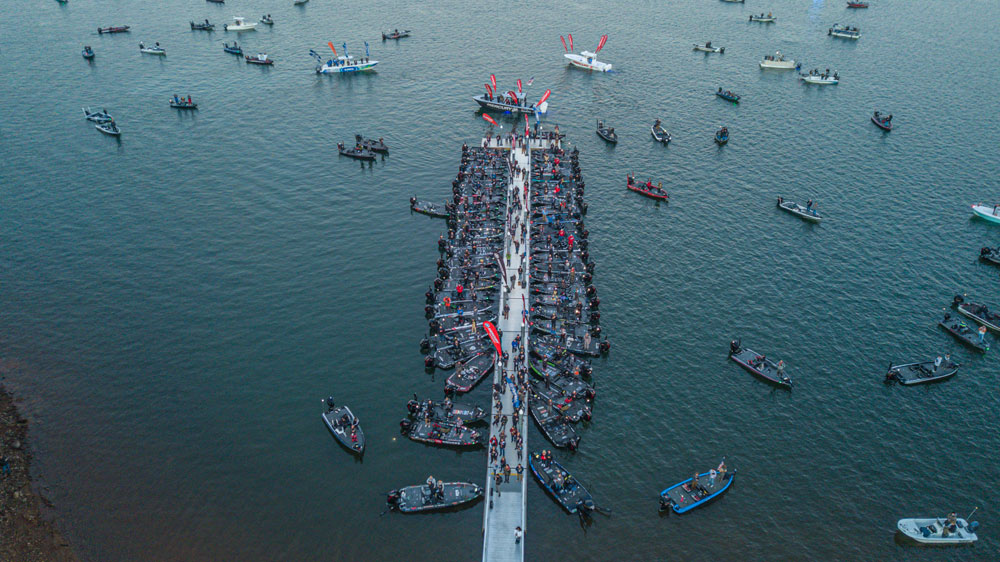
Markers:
{"x": 26, "y": 535}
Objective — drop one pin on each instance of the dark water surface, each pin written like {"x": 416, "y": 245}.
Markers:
{"x": 174, "y": 305}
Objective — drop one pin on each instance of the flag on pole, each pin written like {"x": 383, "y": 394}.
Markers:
{"x": 489, "y": 119}
{"x": 571, "y": 41}
{"x": 519, "y": 85}
{"x": 493, "y": 80}
{"x": 604, "y": 39}
{"x": 530, "y": 80}
{"x": 494, "y": 337}
{"x": 330, "y": 43}
{"x": 367, "y": 54}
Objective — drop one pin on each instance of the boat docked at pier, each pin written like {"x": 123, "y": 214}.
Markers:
{"x": 443, "y": 495}
{"x": 240, "y": 24}
{"x": 586, "y": 59}
{"x": 844, "y": 32}
{"x": 778, "y": 61}
{"x": 511, "y": 101}
{"x": 560, "y": 484}
{"x": 440, "y": 432}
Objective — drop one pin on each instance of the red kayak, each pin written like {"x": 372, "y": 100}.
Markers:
{"x": 113, "y": 29}
{"x": 654, "y": 192}
{"x": 857, "y": 4}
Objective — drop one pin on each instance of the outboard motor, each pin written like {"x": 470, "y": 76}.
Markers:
{"x": 413, "y": 406}
{"x": 590, "y": 265}
{"x": 429, "y": 311}
{"x": 586, "y": 415}
{"x": 392, "y": 498}
{"x": 957, "y": 300}
{"x": 429, "y": 362}
{"x": 413, "y": 202}
{"x": 440, "y": 263}
{"x": 596, "y": 330}
{"x": 595, "y": 317}
{"x": 443, "y": 272}
{"x": 438, "y": 283}
{"x": 734, "y": 347}
{"x": 584, "y": 209}
{"x": 595, "y": 303}
{"x": 586, "y": 370}
{"x": 449, "y": 390}
{"x": 425, "y": 345}
{"x": 434, "y": 326}
{"x": 985, "y": 251}
{"x": 605, "y": 347}
{"x": 585, "y": 258}
{"x": 404, "y": 426}
{"x": 591, "y": 291}
{"x": 329, "y": 403}
{"x": 429, "y": 297}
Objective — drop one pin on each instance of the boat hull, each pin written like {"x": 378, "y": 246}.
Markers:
{"x": 505, "y": 107}
{"x": 986, "y": 213}
{"x": 914, "y": 529}
{"x": 681, "y": 499}
{"x": 886, "y": 126}
{"x": 778, "y": 65}
{"x": 347, "y": 68}
{"x": 651, "y": 194}
{"x": 587, "y": 63}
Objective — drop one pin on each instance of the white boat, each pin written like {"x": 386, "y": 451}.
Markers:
{"x": 154, "y": 50}
{"x": 777, "y": 61}
{"x": 708, "y": 48}
{"x": 806, "y": 213}
{"x": 844, "y": 31}
{"x": 763, "y": 19}
{"x": 345, "y": 64}
{"x": 986, "y": 212}
{"x": 240, "y": 24}
{"x": 931, "y": 531}
{"x": 587, "y": 59}
{"x": 101, "y": 116}
{"x": 821, "y": 79}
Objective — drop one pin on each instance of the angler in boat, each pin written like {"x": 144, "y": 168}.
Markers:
{"x": 778, "y": 61}
{"x": 844, "y": 31}
{"x": 707, "y": 47}
{"x": 587, "y": 60}
{"x": 266, "y": 20}
{"x": 202, "y": 26}
{"x": 372, "y": 144}
{"x": 88, "y": 53}
{"x": 990, "y": 255}
{"x": 440, "y": 432}
{"x": 606, "y": 133}
{"x": 697, "y": 490}
{"x": 154, "y": 50}
{"x": 396, "y": 34}
{"x": 991, "y": 214}
{"x": 433, "y": 495}
{"x": 101, "y": 116}
{"x": 923, "y": 372}
{"x": 970, "y": 336}
{"x": 560, "y": 484}
{"x": 113, "y": 29}
{"x": 181, "y": 103}
{"x": 659, "y": 133}
{"x": 728, "y": 95}
{"x": 457, "y": 413}
{"x": 109, "y": 128}
{"x": 429, "y": 209}
{"x": 760, "y": 365}
{"x": 762, "y": 18}
{"x": 807, "y": 213}
{"x": 259, "y": 58}
{"x": 814, "y": 76}
{"x": 950, "y": 530}
{"x": 234, "y": 48}
{"x": 883, "y": 122}
{"x": 345, "y": 426}
{"x": 647, "y": 189}
{"x": 722, "y": 136}
{"x": 240, "y": 24}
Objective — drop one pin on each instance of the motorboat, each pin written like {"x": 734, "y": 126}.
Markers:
{"x": 299, "y": 2}
{"x": 844, "y": 31}
{"x": 154, "y": 50}
{"x": 857, "y": 4}
{"x": 396, "y": 34}
{"x": 216, "y": 1}
{"x": 708, "y": 48}
{"x": 240, "y": 24}
{"x": 511, "y": 101}
{"x": 883, "y": 122}
{"x": 560, "y": 484}
{"x": 101, "y": 116}
{"x": 820, "y": 78}
{"x": 978, "y": 312}
{"x": 113, "y": 29}
{"x": 728, "y": 95}
{"x": 345, "y": 427}
{"x": 586, "y": 59}
{"x": 987, "y": 212}
{"x": 778, "y": 61}
{"x": 345, "y": 64}
{"x": 358, "y": 152}
{"x": 109, "y": 128}
{"x": 734, "y": 1}
{"x": 374, "y": 145}
{"x": 990, "y": 255}
{"x": 259, "y": 58}
{"x": 963, "y": 332}
{"x": 206, "y": 26}
{"x": 413, "y": 499}
{"x": 88, "y": 53}
{"x": 648, "y": 189}
{"x": 606, "y": 133}
{"x": 759, "y": 365}
{"x": 266, "y": 20}
{"x": 722, "y": 136}
{"x": 939, "y": 530}
{"x": 659, "y": 133}
{"x": 806, "y": 213}
{"x": 233, "y": 49}
{"x": 181, "y": 103}
{"x": 922, "y": 372}
{"x": 695, "y": 491}
{"x": 763, "y": 19}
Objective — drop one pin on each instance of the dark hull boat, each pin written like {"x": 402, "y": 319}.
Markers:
{"x": 687, "y": 495}
{"x": 395, "y": 35}
{"x": 440, "y": 432}
{"x": 473, "y": 371}
{"x": 606, "y": 133}
{"x": 979, "y": 312}
{"x": 356, "y": 153}
{"x": 202, "y": 26}
{"x": 345, "y": 426}
{"x": 576, "y": 345}
{"x": 259, "y": 59}
{"x": 553, "y": 425}
{"x": 235, "y": 49}
{"x": 561, "y": 485}
{"x": 728, "y": 96}
{"x": 181, "y": 104}
{"x": 447, "y": 410}
{"x": 920, "y": 373}
{"x": 487, "y": 103}
{"x": 990, "y": 255}
{"x": 109, "y": 128}
{"x": 88, "y": 53}
{"x": 964, "y": 333}
{"x": 429, "y": 209}
{"x": 413, "y": 499}
{"x": 113, "y": 29}
{"x": 722, "y": 136}
{"x": 883, "y": 122}
{"x": 374, "y": 145}
{"x": 659, "y": 133}
{"x": 759, "y": 365}
{"x": 572, "y": 407}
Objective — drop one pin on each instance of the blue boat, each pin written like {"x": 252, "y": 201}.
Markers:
{"x": 722, "y": 136}
{"x": 88, "y": 53}
{"x": 235, "y": 49}
{"x": 685, "y": 496}
{"x": 728, "y": 95}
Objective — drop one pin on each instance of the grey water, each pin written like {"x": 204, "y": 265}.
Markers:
{"x": 174, "y": 305}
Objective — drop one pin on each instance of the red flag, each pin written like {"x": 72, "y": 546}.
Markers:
{"x": 493, "y": 80}
{"x": 513, "y": 95}
{"x": 519, "y": 85}
{"x": 330, "y": 43}
{"x": 545, "y": 96}
{"x": 563, "y": 39}
{"x": 571, "y": 41}
{"x": 494, "y": 336}
{"x": 489, "y": 120}
{"x": 489, "y": 90}
{"x": 527, "y": 127}
{"x": 604, "y": 39}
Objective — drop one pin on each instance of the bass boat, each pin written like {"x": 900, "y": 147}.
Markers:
{"x": 759, "y": 365}
{"x": 659, "y": 133}
{"x": 695, "y": 491}
{"x": 963, "y": 332}
{"x": 708, "y": 48}
{"x": 919, "y": 373}
{"x": 883, "y": 122}
{"x": 806, "y": 213}
{"x": 606, "y": 133}
{"x": 413, "y": 499}
{"x": 560, "y": 484}
{"x": 344, "y": 426}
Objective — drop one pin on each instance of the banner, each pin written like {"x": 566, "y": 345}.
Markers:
{"x": 494, "y": 336}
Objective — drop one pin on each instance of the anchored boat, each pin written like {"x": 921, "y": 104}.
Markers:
{"x": 240, "y": 24}
{"x": 606, "y": 133}
{"x": 807, "y": 213}
{"x": 695, "y": 491}
{"x": 986, "y": 212}
{"x": 923, "y": 372}
{"x": 659, "y": 133}
{"x": 708, "y": 48}
{"x": 586, "y": 59}
{"x": 154, "y": 50}
{"x": 844, "y": 32}
{"x": 88, "y": 53}
{"x": 883, "y": 122}
{"x": 345, "y": 426}
{"x": 412, "y": 499}
{"x": 759, "y": 365}
{"x": 113, "y": 29}
{"x": 777, "y": 61}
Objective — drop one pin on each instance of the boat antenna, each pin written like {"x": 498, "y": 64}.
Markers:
{"x": 973, "y": 511}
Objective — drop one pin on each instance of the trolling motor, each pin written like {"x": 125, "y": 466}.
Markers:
{"x": 329, "y": 403}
